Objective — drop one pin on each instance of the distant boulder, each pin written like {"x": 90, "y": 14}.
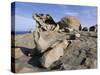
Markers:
{"x": 70, "y": 22}
{"x": 80, "y": 27}
{"x": 93, "y": 28}
{"x": 85, "y": 29}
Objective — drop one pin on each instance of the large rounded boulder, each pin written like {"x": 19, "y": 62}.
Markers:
{"x": 69, "y": 21}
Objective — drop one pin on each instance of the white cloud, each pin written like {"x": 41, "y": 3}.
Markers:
{"x": 71, "y": 13}
{"x": 90, "y": 12}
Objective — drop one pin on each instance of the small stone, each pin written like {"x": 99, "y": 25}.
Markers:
{"x": 77, "y": 35}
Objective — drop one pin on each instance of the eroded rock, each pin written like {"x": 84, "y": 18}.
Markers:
{"x": 80, "y": 52}
{"x": 44, "y": 40}
{"x": 45, "y": 22}
{"x": 54, "y": 53}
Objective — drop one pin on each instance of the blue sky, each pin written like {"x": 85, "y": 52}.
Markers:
{"x": 24, "y": 21}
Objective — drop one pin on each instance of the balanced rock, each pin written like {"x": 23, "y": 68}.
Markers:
{"x": 54, "y": 53}
{"x": 69, "y": 21}
{"x": 93, "y": 28}
{"x": 85, "y": 29}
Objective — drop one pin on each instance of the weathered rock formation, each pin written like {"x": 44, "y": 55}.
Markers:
{"x": 81, "y": 53}
{"x": 45, "y": 22}
{"x": 42, "y": 42}
{"x": 56, "y": 46}
{"x": 52, "y": 43}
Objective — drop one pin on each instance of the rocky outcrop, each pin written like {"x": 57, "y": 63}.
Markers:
{"x": 70, "y": 22}
{"x": 76, "y": 54}
{"x": 80, "y": 52}
{"x": 56, "y": 46}
{"x": 53, "y": 44}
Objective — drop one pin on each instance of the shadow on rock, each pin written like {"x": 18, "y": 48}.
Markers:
{"x": 26, "y": 51}
{"x": 34, "y": 54}
{"x": 35, "y": 60}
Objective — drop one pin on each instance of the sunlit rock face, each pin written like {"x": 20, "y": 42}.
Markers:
{"x": 70, "y": 22}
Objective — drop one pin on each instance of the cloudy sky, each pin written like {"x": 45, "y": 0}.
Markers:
{"x": 23, "y": 14}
